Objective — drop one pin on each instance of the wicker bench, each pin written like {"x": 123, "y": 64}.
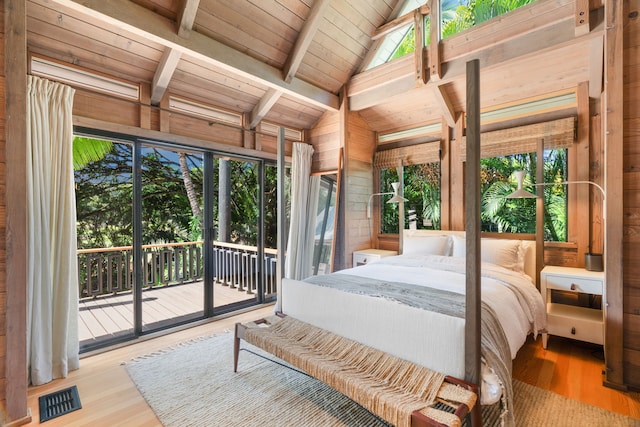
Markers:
{"x": 400, "y": 392}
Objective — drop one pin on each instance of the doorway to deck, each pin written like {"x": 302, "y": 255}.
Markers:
{"x": 168, "y": 235}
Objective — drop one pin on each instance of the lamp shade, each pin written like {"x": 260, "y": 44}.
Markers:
{"x": 520, "y": 193}
{"x": 396, "y": 197}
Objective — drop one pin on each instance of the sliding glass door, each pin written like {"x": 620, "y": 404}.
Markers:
{"x": 171, "y": 232}
{"x": 168, "y": 235}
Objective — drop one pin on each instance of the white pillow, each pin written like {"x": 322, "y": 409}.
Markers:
{"x": 458, "y": 246}
{"x": 425, "y": 245}
{"x": 502, "y": 252}
{"x": 505, "y": 253}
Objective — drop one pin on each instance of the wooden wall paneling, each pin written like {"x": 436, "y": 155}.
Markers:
{"x": 165, "y": 114}
{"x": 103, "y": 107}
{"x": 457, "y": 176}
{"x": 582, "y": 191}
{"x": 14, "y": 390}
{"x": 613, "y": 131}
{"x": 206, "y": 130}
{"x": 445, "y": 178}
{"x": 325, "y": 138}
{"x": 145, "y": 106}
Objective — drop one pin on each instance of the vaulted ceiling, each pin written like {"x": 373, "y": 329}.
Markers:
{"x": 290, "y": 61}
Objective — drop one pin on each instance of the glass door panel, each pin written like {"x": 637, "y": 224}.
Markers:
{"x": 237, "y": 263}
{"x": 104, "y": 226}
{"x": 172, "y": 256}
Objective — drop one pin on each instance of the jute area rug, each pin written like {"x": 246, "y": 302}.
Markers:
{"x": 193, "y": 384}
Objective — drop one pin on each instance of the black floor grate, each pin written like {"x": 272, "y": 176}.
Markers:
{"x": 59, "y": 403}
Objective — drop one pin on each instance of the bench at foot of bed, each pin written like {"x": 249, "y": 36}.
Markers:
{"x": 400, "y": 392}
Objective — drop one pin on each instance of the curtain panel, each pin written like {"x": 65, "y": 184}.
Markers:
{"x": 304, "y": 207}
{"x": 52, "y": 281}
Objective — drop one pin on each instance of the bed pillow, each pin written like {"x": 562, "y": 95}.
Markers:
{"x": 506, "y": 253}
{"x": 425, "y": 245}
{"x": 502, "y": 252}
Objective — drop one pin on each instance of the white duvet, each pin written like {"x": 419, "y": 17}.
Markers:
{"x": 512, "y": 295}
{"x": 430, "y": 339}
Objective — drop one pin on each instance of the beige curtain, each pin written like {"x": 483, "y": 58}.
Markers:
{"x": 52, "y": 312}
{"x": 304, "y": 208}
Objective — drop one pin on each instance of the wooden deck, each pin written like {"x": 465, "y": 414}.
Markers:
{"x": 111, "y": 316}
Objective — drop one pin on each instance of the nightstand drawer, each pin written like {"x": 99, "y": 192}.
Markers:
{"x": 362, "y": 258}
{"x": 366, "y": 256}
{"x": 575, "y": 284}
{"x": 584, "y": 324}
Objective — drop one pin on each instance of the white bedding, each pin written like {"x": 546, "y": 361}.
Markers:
{"x": 430, "y": 339}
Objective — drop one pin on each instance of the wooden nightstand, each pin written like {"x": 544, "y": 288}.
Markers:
{"x": 365, "y": 256}
{"x": 570, "y": 321}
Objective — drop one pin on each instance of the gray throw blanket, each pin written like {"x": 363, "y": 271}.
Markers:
{"x": 494, "y": 345}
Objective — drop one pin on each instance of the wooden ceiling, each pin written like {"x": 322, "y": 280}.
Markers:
{"x": 288, "y": 61}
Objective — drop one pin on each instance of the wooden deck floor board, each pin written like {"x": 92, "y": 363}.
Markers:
{"x": 110, "y": 315}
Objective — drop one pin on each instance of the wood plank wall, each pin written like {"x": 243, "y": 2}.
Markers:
{"x": 3, "y": 229}
{"x": 631, "y": 177}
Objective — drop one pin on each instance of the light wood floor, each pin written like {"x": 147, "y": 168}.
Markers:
{"x": 109, "y": 398}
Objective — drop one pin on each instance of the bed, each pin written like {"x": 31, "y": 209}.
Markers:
{"x": 412, "y": 305}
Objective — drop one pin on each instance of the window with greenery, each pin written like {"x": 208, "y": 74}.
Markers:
{"x": 499, "y": 214}
{"x": 459, "y": 15}
{"x": 422, "y": 191}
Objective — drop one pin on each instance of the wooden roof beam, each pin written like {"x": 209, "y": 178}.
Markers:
{"x": 582, "y": 17}
{"x": 187, "y": 16}
{"x": 130, "y": 17}
{"x": 262, "y": 108}
{"x": 171, "y": 57}
{"x": 304, "y": 39}
{"x": 367, "y": 91}
{"x": 445, "y": 104}
{"x": 396, "y": 24}
{"x": 162, "y": 77}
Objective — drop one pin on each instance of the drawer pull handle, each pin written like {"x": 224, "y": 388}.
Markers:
{"x": 573, "y": 331}
{"x": 574, "y": 286}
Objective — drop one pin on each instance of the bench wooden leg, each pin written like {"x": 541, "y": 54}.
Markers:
{"x": 239, "y": 333}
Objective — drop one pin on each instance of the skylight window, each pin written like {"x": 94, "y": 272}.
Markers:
{"x": 389, "y": 46}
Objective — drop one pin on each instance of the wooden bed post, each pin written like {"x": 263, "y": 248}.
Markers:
{"x": 472, "y": 227}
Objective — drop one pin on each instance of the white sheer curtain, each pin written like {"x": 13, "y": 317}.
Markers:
{"x": 304, "y": 207}
{"x": 52, "y": 281}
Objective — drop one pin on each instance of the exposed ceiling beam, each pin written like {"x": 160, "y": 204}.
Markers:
{"x": 161, "y": 79}
{"x": 130, "y": 17}
{"x": 398, "y": 23}
{"x": 262, "y": 108}
{"x": 304, "y": 38}
{"x": 536, "y": 43}
{"x": 440, "y": 94}
{"x": 187, "y": 16}
{"x": 596, "y": 67}
{"x": 171, "y": 57}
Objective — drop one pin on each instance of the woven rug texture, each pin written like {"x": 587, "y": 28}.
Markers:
{"x": 193, "y": 384}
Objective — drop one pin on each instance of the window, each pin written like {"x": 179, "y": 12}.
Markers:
{"x": 422, "y": 191}
{"x": 459, "y": 15}
{"x": 499, "y": 214}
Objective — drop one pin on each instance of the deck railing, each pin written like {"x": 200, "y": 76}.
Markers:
{"x": 104, "y": 271}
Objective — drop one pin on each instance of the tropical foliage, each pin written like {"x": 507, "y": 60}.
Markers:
{"x": 172, "y": 189}
{"x": 498, "y": 213}
{"x": 457, "y": 16}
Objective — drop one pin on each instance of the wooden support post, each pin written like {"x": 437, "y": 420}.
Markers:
{"x": 281, "y": 218}
{"x": 14, "y": 314}
{"x": 614, "y": 186}
{"x": 472, "y": 227}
